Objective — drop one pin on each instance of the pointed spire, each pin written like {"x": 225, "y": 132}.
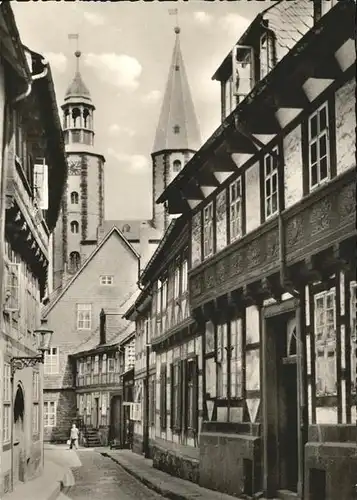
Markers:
{"x": 77, "y": 88}
{"x": 178, "y": 126}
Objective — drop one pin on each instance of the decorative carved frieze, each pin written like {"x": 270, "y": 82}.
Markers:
{"x": 347, "y": 200}
{"x": 320, "y": 216}
{"x": 323, "y": 215}
{"x": 294, "y": 231}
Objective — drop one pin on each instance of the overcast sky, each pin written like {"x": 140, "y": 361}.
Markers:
{"x": 127, "y": 48}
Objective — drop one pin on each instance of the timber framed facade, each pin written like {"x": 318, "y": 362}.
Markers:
{"x": 271, "y": 202}
{"x": 168, "y": 372}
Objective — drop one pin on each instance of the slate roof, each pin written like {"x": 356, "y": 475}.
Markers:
{"x": 289, "y": 19}
{"x": 77, "y": 89}
{"x": 178, "y": 126}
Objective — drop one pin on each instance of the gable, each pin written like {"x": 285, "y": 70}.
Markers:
{"x": 114, "y": 256}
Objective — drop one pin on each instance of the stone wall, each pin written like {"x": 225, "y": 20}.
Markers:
{"x": 330, "y": 455}
{"x": 65, "y": 416}
{"x": 173, "y": 460}
{"x": 241, "y": 456}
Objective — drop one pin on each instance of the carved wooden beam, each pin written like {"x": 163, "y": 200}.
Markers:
{"x": 222, "y": 162}
{"x": 313, "y": 272}
{"x": 210, "y": 310}
{"x": 192, "y": 191}
{"x": 239, "y": 143}
{"x": 271, "y": 288}
{"x": 251, "y": 295}
{"x": 206, "y": 177}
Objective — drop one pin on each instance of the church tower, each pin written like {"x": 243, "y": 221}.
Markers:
{"x": 83, "y": 201}
{"x": 177, "y": 135}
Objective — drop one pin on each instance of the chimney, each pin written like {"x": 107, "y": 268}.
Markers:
{"x": 317, "y": 6}
{"x": 102, "y": 332}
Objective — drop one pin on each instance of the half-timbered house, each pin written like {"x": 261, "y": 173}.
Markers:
{"x": 270, "y": 200}
{"x": 168, "y": 360}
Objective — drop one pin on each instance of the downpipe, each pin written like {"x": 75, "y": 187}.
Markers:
{"x": 28, "y": 90}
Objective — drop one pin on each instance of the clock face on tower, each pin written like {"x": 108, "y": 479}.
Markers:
{"x": 74, "y": 167}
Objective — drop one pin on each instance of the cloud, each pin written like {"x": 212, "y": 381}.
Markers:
{"x": 152, "y": 96}
{"x": 234, "y": 23}
{"x": 132, "y": 163}
{"x": 116, "y": 129}
{"x": 202, "y": 17}
{"x": 93, "y": 18}
{"x": 57, "y": 60}
{"x": 119, "y": 69}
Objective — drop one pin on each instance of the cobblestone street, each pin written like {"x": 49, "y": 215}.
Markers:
{"x": 101, "y": 478}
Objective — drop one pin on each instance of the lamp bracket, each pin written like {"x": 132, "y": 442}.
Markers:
{"x": 21, "y": 362}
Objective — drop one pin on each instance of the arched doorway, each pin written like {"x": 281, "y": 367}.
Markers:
{"x": 19, "y": 441}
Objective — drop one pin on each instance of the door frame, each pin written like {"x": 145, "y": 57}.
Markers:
{"x": 271, "y": 476}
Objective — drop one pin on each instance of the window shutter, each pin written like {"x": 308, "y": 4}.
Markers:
{"x": 179, "y": 396}
{"x": 184, "y": 394}
{"x": 195, "y": 394}
{"x": 163, "y": 398}
{"x": 172, "y": 402}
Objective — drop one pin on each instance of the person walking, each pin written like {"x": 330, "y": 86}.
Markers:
{"x": 74, "y": 437}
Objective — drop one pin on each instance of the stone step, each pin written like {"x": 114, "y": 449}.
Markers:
{"x": 287, "y": 495}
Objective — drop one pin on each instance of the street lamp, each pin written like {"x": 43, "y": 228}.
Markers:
{"x": 43, "y": 337}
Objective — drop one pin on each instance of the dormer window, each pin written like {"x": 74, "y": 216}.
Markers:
{"x": 267, "y": 54}
{"x": 242, "y": 71}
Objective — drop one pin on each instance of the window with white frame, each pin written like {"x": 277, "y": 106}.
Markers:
{"x": 325, "y": 342}
{"x": 107, "y": 279}
{"x": 222, "y": 365}
{"x": 353, "y": 314}
{"x": 96, "y": 365}
{"x": 104, "y": 363}
{"x": 236, "y": 358}
{"x": 208, "y": 230}
{"x": 158, "y": 297}
{"x": 111, "y": 364}
{"x": 184, "y": 274}
{"x": 49, "y": 413}
{"x": 84, "y": 316}
{"x": 266, "y": 54}
{"x": 318, "y": 138}
{"x": 51, "y": 364}
{"x": 271, "y": 183}
{"x": 235, "y": 209}
{"x": 6, "y": 403}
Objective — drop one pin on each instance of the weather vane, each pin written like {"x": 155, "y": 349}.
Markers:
{"x": 78, "y": 53}
{"x": 174, "y": 12}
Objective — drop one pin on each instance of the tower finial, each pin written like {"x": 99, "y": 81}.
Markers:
{"x": 174, "y": 12}
{"x": 78, "y": 53}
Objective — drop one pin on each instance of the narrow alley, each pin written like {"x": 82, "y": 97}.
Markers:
{"x": 100, "y": 478}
